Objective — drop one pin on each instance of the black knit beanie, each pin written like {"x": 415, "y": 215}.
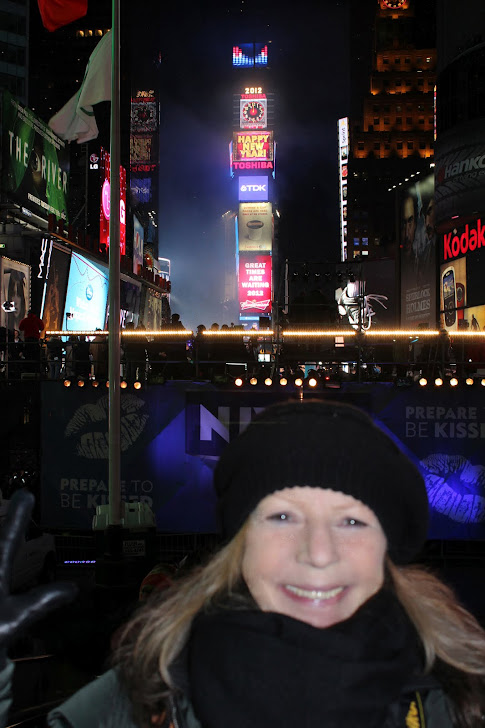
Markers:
{"x": 324, "y": 444}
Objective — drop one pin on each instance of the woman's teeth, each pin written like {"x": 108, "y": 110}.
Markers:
{"x": 314, "y": 593}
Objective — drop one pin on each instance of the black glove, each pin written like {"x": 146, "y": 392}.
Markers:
{"x": 19, "y": 610}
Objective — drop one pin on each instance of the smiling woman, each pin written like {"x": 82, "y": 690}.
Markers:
{"x": 313, "y": 554}
{"x": 307, "y": 615}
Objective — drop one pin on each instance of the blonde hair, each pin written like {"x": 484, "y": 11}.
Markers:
{"x": 154, "y": 638}
{"x": 453, "y": 641}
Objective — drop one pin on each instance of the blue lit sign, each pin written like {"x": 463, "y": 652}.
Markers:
{"x": 87, "y": 293}
{"x": 248, "y": 55}
{"x": 253, "y": 189}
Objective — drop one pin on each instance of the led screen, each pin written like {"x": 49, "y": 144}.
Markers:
{"x": 253, "y": 112}
{"x": 254, "y": 284}
{"x": 255, "y": 227}
{"x": 104, "y": 212}
{"x": 248, "y": 55}
{"x": 87, "y": 293}
{"x": 253, "y": 146}
{"x": 253, "y": 188}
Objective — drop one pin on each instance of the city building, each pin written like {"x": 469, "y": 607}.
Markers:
{"x": 460, "y": 165}
{"x": 391, "y": 137}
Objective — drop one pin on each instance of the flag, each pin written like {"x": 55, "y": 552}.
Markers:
{"x": 56, "y": 13}
{"x": 76, "y": 118}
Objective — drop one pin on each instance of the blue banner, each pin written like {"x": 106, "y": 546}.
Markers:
{"x": 172, "y": 436}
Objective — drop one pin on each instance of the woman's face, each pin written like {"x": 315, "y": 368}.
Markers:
{"x": 312, "y": 554}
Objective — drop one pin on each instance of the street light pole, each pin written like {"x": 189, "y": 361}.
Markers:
{"x": 114, "y": 438}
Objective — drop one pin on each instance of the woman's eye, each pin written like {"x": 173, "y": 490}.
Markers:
{"x": 281, "y": 517}
{"x": 353, "y": 522}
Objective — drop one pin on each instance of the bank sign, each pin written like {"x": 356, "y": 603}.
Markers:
{"x": 35, "y": 161}
{"x": 253, "y": 189}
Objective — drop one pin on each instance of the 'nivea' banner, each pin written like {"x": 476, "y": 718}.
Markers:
{"x": 172, "y": 436}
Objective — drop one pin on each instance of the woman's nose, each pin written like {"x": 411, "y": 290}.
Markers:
{"x": 318, "y": 545}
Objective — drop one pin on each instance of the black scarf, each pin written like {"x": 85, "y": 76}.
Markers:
{"x": 254, "y": 669}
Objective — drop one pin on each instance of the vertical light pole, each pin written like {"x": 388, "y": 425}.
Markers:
{"x": 114, "y": 449}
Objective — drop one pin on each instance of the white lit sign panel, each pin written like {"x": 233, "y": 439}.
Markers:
{"x": 253, "y": 189}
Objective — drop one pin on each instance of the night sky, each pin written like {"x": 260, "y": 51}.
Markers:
{"x": 310, "y": 69}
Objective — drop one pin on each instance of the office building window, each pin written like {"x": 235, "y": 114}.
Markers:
{"x": 399, "y": 145}
{"x": 399, "y": 120}
{"x": 409, "y": 121}
{"x": 410, "y": 145}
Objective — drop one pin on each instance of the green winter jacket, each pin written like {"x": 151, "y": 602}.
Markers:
{"x": 103, "y": 704}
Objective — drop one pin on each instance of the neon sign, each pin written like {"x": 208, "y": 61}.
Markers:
{"x": 105, "y": 204}
{"x": 248, "y": 55}
{"x": 253, "y": 145}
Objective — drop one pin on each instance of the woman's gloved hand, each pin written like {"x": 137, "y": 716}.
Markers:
{"x": 17, "y": 611}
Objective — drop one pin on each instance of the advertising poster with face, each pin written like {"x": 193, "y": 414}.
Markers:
{"x": 55, "y": 290}
{"x": 366, "y": 296}
{"x": 418, "y": 254}
{"x": 35, "y": 162}
{"x": 15, "y": 292}
{"x": 171, "y": 441}
{"x": 87, "y": 293}
{"x": 153, "y": 318}
{"x": 255, "y": 227}
{"x": 138, "y": 239}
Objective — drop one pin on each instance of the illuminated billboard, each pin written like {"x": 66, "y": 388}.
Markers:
{"x": 87, "y": 293}
{"x": 418, "y": 254}
{"x": 253, "y": 112}
{"x": 55, "y": 288}
{"x": 35, "y": 162}
{"x": 144, "y": 112}
{"x": 343, "y": 161}
{"x": 253, "y": 146}
{"x": 462, "y": 294}
{"x": 254, "y": 285}
{"x": 248, "y": 55}
{"x": 15, "y": 292}
{"x": 255, "y": 227}
{"x": 253, "y": 188}
{"x": 105, "y": 203}
{"x": 138, "y": 240}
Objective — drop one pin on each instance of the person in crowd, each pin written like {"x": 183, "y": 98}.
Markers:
{"x": 70, "y": 358}
{"x": 98, "y": 349}
{"x": 308, "y": 615}
{"x": 54, "y": 356}
{"x": 32, "y": 327}
{"x": 82, "y": 365}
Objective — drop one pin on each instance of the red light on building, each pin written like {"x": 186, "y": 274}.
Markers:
{"x": 104, "y": 212}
